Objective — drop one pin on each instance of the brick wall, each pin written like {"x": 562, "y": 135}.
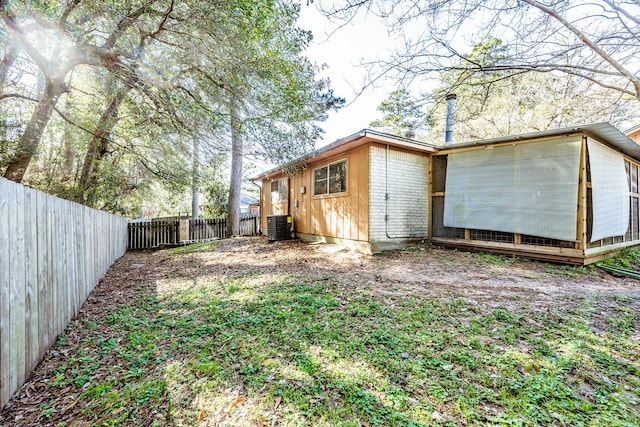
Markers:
{"x": 403, "y": 176}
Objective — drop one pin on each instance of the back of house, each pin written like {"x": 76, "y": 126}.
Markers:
{"x": 566, "y": 195}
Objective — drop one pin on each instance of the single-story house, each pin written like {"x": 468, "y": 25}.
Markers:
{"x": 568, "y": 195}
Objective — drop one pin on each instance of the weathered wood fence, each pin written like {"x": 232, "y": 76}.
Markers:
{"x": 52, "y": 254}
{"x": 155, "y": 233}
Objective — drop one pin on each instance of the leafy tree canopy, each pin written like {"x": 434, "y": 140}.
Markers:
{"x": 489, "y": 104}
{"x": 100, "y": 99}
{"x": 595, "y": 44}
{"x": 400, "y": 114}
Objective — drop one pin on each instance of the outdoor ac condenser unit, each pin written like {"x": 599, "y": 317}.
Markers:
{"x": 278, "y": 227}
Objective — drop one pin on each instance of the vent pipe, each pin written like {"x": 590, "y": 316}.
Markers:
{"x": 448, "y": 130}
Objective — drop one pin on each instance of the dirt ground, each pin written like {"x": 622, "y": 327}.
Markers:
{"x": 488, "y": 280}
{"x": 420, "y": 270}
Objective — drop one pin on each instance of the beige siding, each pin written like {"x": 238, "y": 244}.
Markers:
{"x": 267, "y": 207}
{"x": 343, "y": 216}
{"x": 404, "y": 177}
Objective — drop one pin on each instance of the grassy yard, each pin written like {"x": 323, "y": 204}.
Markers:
{"x": 186, "y": 341}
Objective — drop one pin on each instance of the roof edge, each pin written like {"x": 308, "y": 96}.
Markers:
{"x": 363, "y": 133}
{"x": 632, "y": 129}
{"x": 604, "y": 131}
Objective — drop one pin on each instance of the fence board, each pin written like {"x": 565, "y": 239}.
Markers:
{"x": 31, "y": 278}
{"x": 52, "y": 253}
{"x": 56, "y": 268}
{"x": 16, "y": 279}
{"x": 5, "y": 255}
{"x": 148, "y": 235}
{"x": 43, "y": 282}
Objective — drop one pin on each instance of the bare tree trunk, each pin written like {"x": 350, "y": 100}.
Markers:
{"x": 5, "y": 66}
{"x": 195, "y": 182}
{"x": 33, "y": 133}
{"x": 235, "y": 188}
{"x": 99, "y": 144}
{"x": 68, "y": 144}
{"x": 6, "y": 63}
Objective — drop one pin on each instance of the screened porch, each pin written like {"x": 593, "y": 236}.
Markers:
{"x": 569, "y": 199}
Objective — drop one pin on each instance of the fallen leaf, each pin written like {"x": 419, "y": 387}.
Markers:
{"x": 237, "y": 401}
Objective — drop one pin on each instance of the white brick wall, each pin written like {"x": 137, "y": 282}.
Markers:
{"x": 404, "y": 177}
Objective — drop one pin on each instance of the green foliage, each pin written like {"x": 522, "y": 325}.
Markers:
{"x": 177, "y": 76}
{"x": 401, "y": 114}
{"x": 628, "y": 259}
{"x": 315, "y": 347}
{"x": 215, "y": 188}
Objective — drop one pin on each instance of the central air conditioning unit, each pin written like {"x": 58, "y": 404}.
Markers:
{"x": 278, "y": 227}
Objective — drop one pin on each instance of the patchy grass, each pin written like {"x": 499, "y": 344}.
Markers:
{"x": 314, "y": 349}
{"x": 628, "y": 259}
{"x": 571, "y": 271}
{"x": 194, "y": 248}
{"x": 505, "y": 261}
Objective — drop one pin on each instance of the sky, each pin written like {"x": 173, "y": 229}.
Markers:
{"x": 341, "y": 51}
{"x": 343, "y": 48}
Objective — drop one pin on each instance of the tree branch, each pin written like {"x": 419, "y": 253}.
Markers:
{"x": 17, "y": 95}
{"x": 67, "y": 11}
{"x": 635, "y": 81}
{"x": 124, "y": 24}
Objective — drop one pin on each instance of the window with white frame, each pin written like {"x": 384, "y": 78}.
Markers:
{"x": 280, "y": 190}
{"x": 330, "y": 179}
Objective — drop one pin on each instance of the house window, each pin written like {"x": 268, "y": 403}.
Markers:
{"x": 330, "y": 179}
{"x": 280, "y": 190}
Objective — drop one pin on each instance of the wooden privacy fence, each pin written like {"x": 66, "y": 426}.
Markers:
{"x": 155, "y": 233}
{"x": 52, "y": 254}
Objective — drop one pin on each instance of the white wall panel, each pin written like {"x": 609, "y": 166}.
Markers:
{"x": 609, "y": 192}
{"x": 527, "y": 188}
{"x": 403, "y": 177}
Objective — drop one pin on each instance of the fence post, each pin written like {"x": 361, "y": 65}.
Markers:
{"x": 184, "y": 230}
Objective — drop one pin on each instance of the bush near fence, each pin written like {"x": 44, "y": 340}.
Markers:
{"x": 52, "y": 254}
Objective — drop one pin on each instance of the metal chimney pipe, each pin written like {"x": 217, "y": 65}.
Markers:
{"x": 448, "y": 130}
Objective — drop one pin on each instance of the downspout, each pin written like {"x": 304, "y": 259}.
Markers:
{"x": 292, "y": 206}
{"x": 387, "y": 197}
